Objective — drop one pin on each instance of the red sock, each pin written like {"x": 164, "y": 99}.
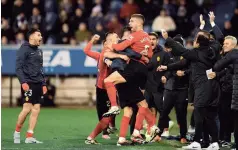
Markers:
{"x": 18, "y": 127}
{"x": 28, "y": 134}
{"x": 140, "y": 117}
{"x": 103, "y": 123}
{"x": 112, "y": 121}
{"x": 149, "y": 117}
{"x": 112, "y": 93}
{"x": 124, "y": 126}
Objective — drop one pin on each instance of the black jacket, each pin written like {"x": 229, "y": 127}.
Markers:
{"x": 207, "y": 92}
{"x": 160, "y": 57}
{"x": 29, "y": 64}
{"x": 175, "y": 82}
{"x": 231, "y": 58}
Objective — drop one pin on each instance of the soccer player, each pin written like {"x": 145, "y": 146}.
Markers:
{"x": 134, "y": 75}
{"x": 29, "y": 70}
{"x": 102, "y": 97}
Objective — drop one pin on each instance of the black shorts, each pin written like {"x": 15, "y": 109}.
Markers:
{"x": 102, "y": 102}
{"x": 155, "y": 100}
{"x": 34, "y": 95}
{"x": 129, "y": 94}
{"x": 135, "y": 73}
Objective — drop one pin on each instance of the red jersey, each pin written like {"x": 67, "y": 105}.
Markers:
{"x": 103, "y": 70}
{"x": 138, "y": 41}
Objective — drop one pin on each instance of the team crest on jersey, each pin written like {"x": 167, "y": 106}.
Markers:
{"x": 27, "y": 98}
{"x": 158, "y": 58}
{"x": 181, "y": 57}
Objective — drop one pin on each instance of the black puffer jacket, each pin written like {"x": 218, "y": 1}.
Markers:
{"x": 231, "y": 58}
{"x": 207, "y": 92}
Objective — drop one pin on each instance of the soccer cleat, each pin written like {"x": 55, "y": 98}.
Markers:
{"x": 106, "y": 137}
{"x": 193, "y": 146}
{"x": 17, "y": 137}
{"x": 171, "y": 124}
{"x": 32, "y": 140}
{"x": 183, "y": 141}
{"x": 124, "y": 143}
{"x": 154, "y": 131}
{"x": 138, "y": 140}
{"x": 213, "y": 146}
{"x": 91, "y": 142}
{"x": 114, "y": 110}
{"x": 191, "y": 129}
{"x": 165, "y": 134}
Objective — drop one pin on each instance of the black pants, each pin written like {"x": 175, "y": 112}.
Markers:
{"x": 102, "y": 104}
{"x": 205, "y": 117}
{"x": 235, "y": 115}
{"x": 225, "y": 116}
{"x": 177, "y": 98}
{"x": 154, "y": 100}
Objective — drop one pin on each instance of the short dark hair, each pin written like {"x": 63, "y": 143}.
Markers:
{"x": 30, "y": 32}
{"x": 108, "y": 34}
{"x": 154, "y": 34}
{"x": 140, "y": 16}
{"x": 125, "y": 29}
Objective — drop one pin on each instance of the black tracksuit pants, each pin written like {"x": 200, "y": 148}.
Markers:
{"x": 177, "y": 99}
{"x": 225, "y": 116}
{"x": 205, "y": 117}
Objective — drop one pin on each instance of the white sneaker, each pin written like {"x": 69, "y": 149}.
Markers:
{"x": 171, "y": 124}
{"x": 17, "y": 137}
{"x": 213, "y": 146}
{"x": 191, "y": 129}
{"x": 32, "y": 140}
{"x": 193, "y": 146}
{"x": 165, "y": 134}
{"x": 114, "y": 110}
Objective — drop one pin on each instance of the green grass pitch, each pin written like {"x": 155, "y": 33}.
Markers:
{"x": 67, "y": 129}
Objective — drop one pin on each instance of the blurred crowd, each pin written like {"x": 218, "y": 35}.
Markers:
{"x": 74, "y": 21}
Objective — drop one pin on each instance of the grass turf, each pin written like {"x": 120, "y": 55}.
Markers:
{"x": 67, "y": 129}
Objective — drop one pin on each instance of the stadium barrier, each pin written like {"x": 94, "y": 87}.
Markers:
{"x": 71, "y": 72}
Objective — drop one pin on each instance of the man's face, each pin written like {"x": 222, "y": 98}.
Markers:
{"x": 133, "y": 23}
{"x": 126, "y": 35}
{"x": 113, "y": 38}
{"x": 153, "y": 41}
{"x": 37, "y": 38}
{"x": 228, "y": 45}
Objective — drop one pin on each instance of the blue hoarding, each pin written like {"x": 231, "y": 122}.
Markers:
{"x": 56, "y": 60}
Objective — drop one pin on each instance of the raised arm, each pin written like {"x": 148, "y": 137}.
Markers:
{"x": 218, "y": 34}
{"x": 89, "y": 52}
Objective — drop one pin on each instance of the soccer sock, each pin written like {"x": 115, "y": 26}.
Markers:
{"x": 140, "y": 117}
{"x": 29, "y": 134}
{"x": 149, "y": 117}
{"x": 124, "y": 126}
{"x": 103, "y": 123}
{"x": 112, "y": 122}
{"x": 112, "y": 93}
{"x": 18, "y": 127}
